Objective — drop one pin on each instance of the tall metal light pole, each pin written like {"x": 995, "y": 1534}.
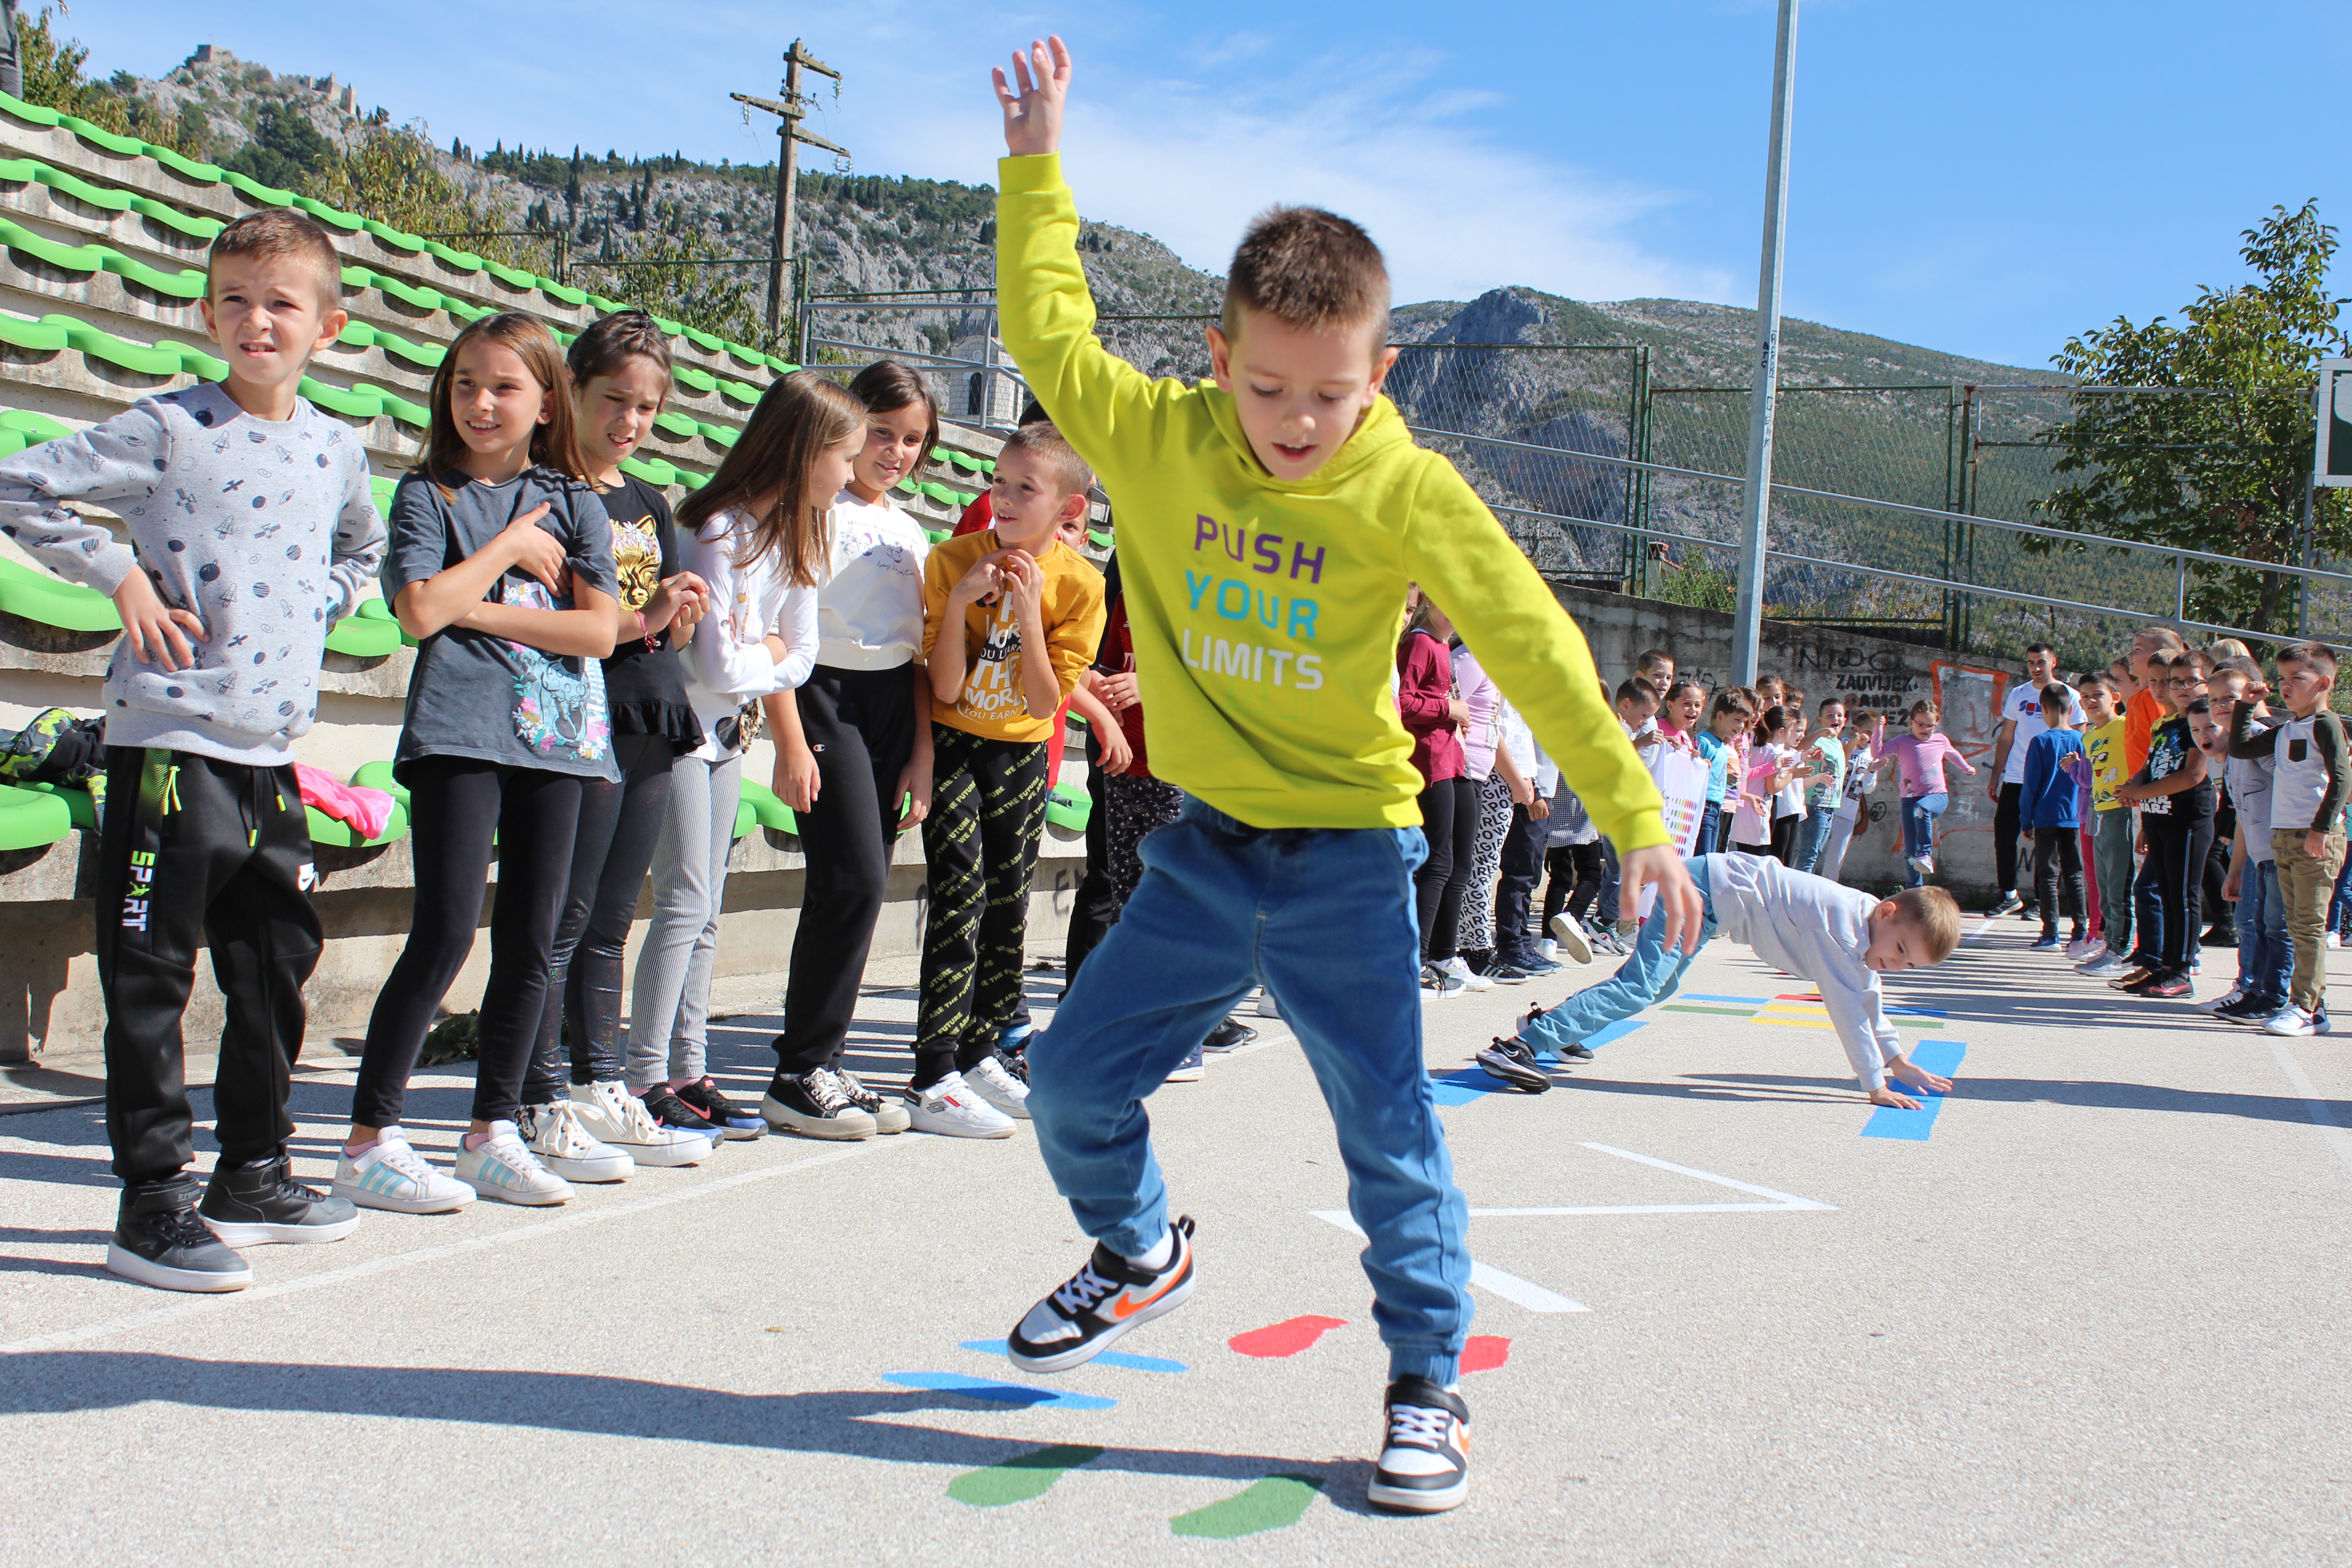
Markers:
{"x": 1748, "y": 608}
{"x": 789, "y": 134}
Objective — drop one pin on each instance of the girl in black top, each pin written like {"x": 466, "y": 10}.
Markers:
{"x": 597, "y": 1132}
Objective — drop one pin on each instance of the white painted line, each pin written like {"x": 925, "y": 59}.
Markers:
{"x": 1486, "y": 1275}
{"x": 1650, "y": 1209}
{"x": 199, "y": 1306}
{"x": 1979, "y": 929}
{"x": 2324, "y": 1119}
{"x": 1783, "y": 1200}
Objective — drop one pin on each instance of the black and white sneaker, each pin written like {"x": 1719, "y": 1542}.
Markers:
{"x": 1514, "y": 1062}
{"x": 815, "y": 1105}
{"x": 889, "y": 1114}
{"x": 1101, "y": 1302}
{"x": 1425, "y": 1456}
{"x": 264, "y": 1202}
{"x": 1227, "y": 1035}
{"x": 731, "y": 1118}
{"x": 160, "y": 1241}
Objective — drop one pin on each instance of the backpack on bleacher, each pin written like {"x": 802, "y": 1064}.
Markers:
{"x": 57, "y": 748}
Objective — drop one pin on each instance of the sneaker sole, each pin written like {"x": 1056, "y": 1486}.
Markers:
{"x": 402, "y": 1206}
{"x": 1503, "y": 1069}
{"x": 1571, "y": 941}
{"x": 661, "y": 1156}
{"x": 530, "y": 1200}
{"x": 257, "y": 1233}
{"x": 121, "y": 1260}
{"x": 1415, "y": 1500}
{"x": 1018, "y": 1109}
{"x": 1108, "y": 1338}
{"x": 891, "y": 1119}
{"x": 740, "y": 1135}
{"x": 915, "y": 1122}
{"x": 1181, "y": 1075}
{"x": 830, "y": 1128}
{"x": 618, "y": 1168}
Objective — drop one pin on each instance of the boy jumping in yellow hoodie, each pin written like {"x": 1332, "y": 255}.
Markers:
{"x": 1268, "y": 526}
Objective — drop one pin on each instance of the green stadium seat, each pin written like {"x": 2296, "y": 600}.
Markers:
{"x": 363, "y": 637}
{"x": 770, "y": 810}
{"x": 78, "y": 805}
{"x": 1068, "y": 808}
{"x": 30, "y": 819}
{"x": 378, "y": 775}
{"x": 746, "y": 819}
{"x": 37, "y": 427}
{"x": 325, "y": 829}
{"x": 52, "y": 602}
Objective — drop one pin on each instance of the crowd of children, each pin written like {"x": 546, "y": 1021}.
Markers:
{"x": 591, "y": 673}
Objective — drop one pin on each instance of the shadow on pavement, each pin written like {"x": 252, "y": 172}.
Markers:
{"x": 862, "y": 1425}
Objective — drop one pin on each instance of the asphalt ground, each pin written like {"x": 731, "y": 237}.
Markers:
{"x": 2094, "y": 1314}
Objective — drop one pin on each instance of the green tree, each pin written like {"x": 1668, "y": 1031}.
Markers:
{"x": 286, "y": 149}
{"x": 53, "y": 75}
{"x": 2210, "y": 448}
{"x": 707, "y": 298}
{"x": 393, "y": 177}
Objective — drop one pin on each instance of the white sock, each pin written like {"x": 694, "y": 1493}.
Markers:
{"x": 1158, "y": 1257}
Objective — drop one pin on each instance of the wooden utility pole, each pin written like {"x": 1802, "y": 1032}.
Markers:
{"x": 789, "y": 134}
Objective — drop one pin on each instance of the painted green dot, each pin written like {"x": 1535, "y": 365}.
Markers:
{"x": 1273, "y": 1503}
{"x": 1030, "y": 1475}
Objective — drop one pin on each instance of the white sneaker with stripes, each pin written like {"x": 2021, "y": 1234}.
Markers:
{"x": 502, "y": 1166}
{"x": 394, "y": 1176}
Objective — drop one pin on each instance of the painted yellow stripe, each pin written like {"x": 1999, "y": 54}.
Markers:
{"x": 1795, "y": 1024}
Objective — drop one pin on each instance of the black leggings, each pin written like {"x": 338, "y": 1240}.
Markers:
{"x": 1449, "y": 821}
{"x": 455, "y": 804}
{"x": 619, "y": 821}
{"x": 2175, "y": 859}
{"x": 860, "y": 723}
{"x": 2007, "y": 825}
{"x": 1575, "y": 879}
{"x": 988, "y": 811}
{"x": 1784, "y": 839}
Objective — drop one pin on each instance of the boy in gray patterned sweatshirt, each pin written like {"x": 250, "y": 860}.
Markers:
{"x": 251, "y": 532}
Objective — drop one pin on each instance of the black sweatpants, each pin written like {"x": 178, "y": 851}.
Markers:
{"x": 198, "y": 852}
{"x": 455, "y": 804}
{"x": 1575, "y": 879}
{"x": 1523, "y": 856}
{"x": 2006, "y": 824}
{"x": 1094, "y": 908}
{"x": 2058, "y": 877}
{"x": 620, "y": 820}
{"x": 1449, "y": 822}
{"x": 988, "y": 809}
{"x": 1784, "y": 839}
{"x": 860, "y": 724}
{"x": 2217, "y": 871}
{"x": 2176, "y": 858}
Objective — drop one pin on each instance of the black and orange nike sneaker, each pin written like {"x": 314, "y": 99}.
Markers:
{"x": 1101, "y": 1302}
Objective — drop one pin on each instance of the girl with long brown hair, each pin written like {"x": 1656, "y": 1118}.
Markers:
{"x": 501, "y": 566}
{"x": 755, "y": 534}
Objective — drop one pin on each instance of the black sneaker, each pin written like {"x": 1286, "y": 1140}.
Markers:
{"x": 1575, "y": 1051}
{"x": 815, "y": 1105}
{"x": 158, "y": 1240}
{"x": 1101, "y": 1302}
{"x": 1426, "y": 1451}
{"x": 1231, "y": 1032}
{"x": 2164, "y": 987}
{"x": 668, "y": 1110}
{"x": 257, "y": 1203}
{"x": 2250, "y": 1010}
{"x": 1514, "y": 1062}
{"x": 732, "y": 1119}
{"x": 1505, "y": 972}
{"x": 2009, "y": 901}
{"x": 1014, "y": 1061}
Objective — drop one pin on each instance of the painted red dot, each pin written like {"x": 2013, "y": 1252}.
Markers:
{"x": 1484, "y": 1352}
{"x": 1286, "y": 1337}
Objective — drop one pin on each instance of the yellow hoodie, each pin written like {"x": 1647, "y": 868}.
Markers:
{"x": 1266, "y": 613}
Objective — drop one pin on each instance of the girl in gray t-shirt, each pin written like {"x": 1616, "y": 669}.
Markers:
{"x": 501, "y": 566}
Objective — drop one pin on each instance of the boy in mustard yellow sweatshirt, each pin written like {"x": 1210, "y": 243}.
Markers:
{"x": 1268, "y": 526}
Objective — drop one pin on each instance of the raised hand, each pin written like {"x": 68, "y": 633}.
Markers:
{"x": 1033, "y": 98}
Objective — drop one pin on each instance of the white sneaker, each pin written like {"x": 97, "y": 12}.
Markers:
{"x": 2335, "y": 939}
{"x": 611, "y": 1114}
{"x": 953, "y": 1108}
{"x": 2218, "y": 1003}
{"x": 1569, "y": 938}
{"x": 2293, "y": 1020}
{"x": 394, "y": 1176}
{"x": 2087, "y": 947}
{"x": 989, "y": 1080}
{"x": 1550, "y": 949}
{"x": 2106, "y": 962}
{"x": 1470, "y": 979}
{"x": 1266, "y": 1007}
{"x": 501, "y": 1166}
{"x": 555, "y": 1135}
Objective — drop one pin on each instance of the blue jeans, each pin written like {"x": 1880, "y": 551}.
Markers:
{"x": 1223, "y": 907}
{"x": 1919, "y": 813}
{"x": 1710, "y": 828}
{"x": 1647, "y": 978}
{"x": 2265, "y": 956}
{"x": 1814, "y": 836}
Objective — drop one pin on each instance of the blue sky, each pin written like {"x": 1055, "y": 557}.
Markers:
{"x": 1983, "y": 179}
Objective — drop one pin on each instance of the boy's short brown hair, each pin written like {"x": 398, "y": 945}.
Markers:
{"x": 2319, "y": 655}
{"x": 281, "y": 231}
{"x": 1637, "y": 691}
{"x": 1043, "y": 440}
{"x": 1934, "y": 914}
{"x": 1308, "y": 268}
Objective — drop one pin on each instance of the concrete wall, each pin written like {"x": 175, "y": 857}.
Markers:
{"x": 1872, "y": 675}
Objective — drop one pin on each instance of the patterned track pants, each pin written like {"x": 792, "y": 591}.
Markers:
{"x": 1136, "y": 806}
{"x": 1477, "y": 926}
{"x": 988, "y": 808}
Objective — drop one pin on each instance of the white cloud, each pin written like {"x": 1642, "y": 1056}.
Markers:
{"x": 1383, "y": 140}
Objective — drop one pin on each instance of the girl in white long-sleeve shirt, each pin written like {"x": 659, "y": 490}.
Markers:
{"x": 755, "y": 533}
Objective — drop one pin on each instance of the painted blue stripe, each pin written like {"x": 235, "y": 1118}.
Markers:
{"x": 1108, "y": 1357}
{"x": 1606, "y": 1035}
{"x": 1917, "y": 1013}
{"x": 1941, "y": 1057}
{"x": 1000, "y": 1393}
{"x": 1702, "y": 996}
{"x": 1463, "y": 1088}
